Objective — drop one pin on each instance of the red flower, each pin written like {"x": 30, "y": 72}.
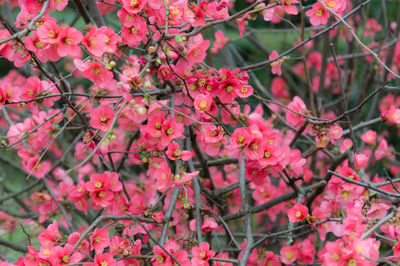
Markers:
{"x": 105, "y": 259}
{"x": 134, "y": 6}
{"x": 171, "y": 130}
{"x": 298, "y": 213}
{"x": 275, "y": 65}
{"x": 95, "y": 42}
{"x": 100, "y": 240}
{"x": 289, "y": 254}
{"x": 174, "y": 152}
{"x": 318, "y": 15}
{"x": 202, "y": 103}
{"x": 202, "y": 254}
{"x": 69, "y": 38}
{"x": 102, "y": 117}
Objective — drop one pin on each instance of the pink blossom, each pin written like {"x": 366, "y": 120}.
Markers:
{"x": 297, "y": 213}
{"x": 369, "y": 137}
{"x": 295, "y": 118}
{"x": 289, "y": 8}
{"x": 202, "y": 254}
{"x": 133, "y": 6}
{"x": 289, "y": 254}
{"x": 100, "y": 240}
{"x": 220, "y": 41}
{"x": 95, "y": 42}
{"x": 102, "y": 117}
{"x": 69, "y": 38}
{"x": 174, "y": 152}
{"x": 202, "y": 103}
{"x": 318, "y": 15}
{"x": 276, "y": 64}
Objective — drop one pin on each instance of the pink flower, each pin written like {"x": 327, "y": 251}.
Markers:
{"x": 51, "y": 236}
{"x": 174, "y": 152}
{"x": 161, "y": 258}
{"x": 112, "y": 39}
{"x": 135, "y": 34}
{"x": 297, "y": 105}
{"x": 220, "y": 41}
{"x": 69, "y": 38}
{"x": 289, "y": 254}
{"x": 287, "y": 6}
{"x": 393, "y": 115}
{"x": 37, "y": 168}
{"x": 239, "y": 137}
{"x": 360, "y": 161}
{"x": 97, "y": 73}
{"x": 369, "y": 137}
{"x": 102, "y": 117}
{"x": 102, "y": 188}
{"x": 209, "y": 224}
{"x": 297, "y": 213}
{"x": 171, "y": 130}
{"x": 62, "y": 255}
{"x": 134, "y": 6}
{"x": 48, "y": 32}
{"x": 165, "y": 72}
{"x": 318, "y": 15}
{"x": 197, "y": 52}
{"x": 276, "y": 65}
{"x": 104, "y": 181}
{"x": 335, "y": 132}
{"x": 202, "y": 254}
{"x": 202, "y": 103}
{"x": 396, "y": 249}
{"x": 100, "y": 240}
{"x": 382, "y": 150}
{"x": 95, "y": 42}
{"x": 296, "y": 164}
{"x": 105, "y": 259}
{"x": 372, "y": 26}
{"x": 278, "y": 89}
{"x": 245, "y": 91}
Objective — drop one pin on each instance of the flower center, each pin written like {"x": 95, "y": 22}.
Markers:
{"x": 134, "y": 3}
{"x": 203, "y": 105}
{"x": 160, "y": 259}
{"x": 196, "y": 52}
{"x": 157, "y": 125}
{"x": 65, "y": 259}
{"x": 289, "y": 255}
{"x": 67, "y": 40}
{"x": 177, "y": 153}
{"x": 202, "y": 254}
{"x": 170, "y": 131}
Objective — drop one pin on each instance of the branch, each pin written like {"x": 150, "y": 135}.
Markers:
{"x": 30, "y": 27}
{"x": 294, "y": 48}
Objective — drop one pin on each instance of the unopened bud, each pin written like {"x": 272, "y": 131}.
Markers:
{"x": 151, "y": 50}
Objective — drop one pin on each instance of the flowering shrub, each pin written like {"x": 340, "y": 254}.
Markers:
{"x": 179, "y": 133}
